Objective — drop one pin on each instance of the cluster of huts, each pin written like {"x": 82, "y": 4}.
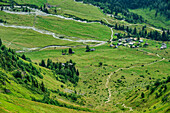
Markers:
{"x": 163, "y": 46}
{"x": 133, "y": 43}
{"x": 129, "y": 42}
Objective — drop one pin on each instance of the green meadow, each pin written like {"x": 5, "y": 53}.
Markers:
{"x": 80, "y": 10}
{"x": 137, "y": 77}
{"x": 93, "y": 77}
{"x": 59, "y": 26}
{"x": 159, "y": 21}
{"x": 24, "y": 38}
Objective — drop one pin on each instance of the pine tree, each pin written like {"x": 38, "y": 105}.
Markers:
{"x": 116, "y": 26}
{"x": 87, "y": 48}
{"x": 77, "y": 72}
{"x": 49, "y": 62}
{"x": 142, "y": 95}
{"x": 42, "y": 63}
{"x": 2, "y": 8}
{"x": 42, "y": 87}
{"x": 70, "y": 51}
{"x": 135, "y": 31}
{"x": 127, "y": 29}
{"x": 164, "y": 38}
{"x": 23, "y": 57}
{"x": 0, "y": 42}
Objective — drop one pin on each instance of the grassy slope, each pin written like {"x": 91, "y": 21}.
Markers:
{"x": 84, "y": 11}
{"x": 20, "y": 97}
{"x": 159, "y": 21}
{"x": 60, "y": 26}
{"x": 94, "y": 31}
{"x": 93, "y": 78}
{"x": 22, "y": 38}
{"x": 20, "y": 105}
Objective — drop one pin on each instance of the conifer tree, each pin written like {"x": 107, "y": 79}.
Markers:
{"x": 70, "y": 51}
{"x": 0, "y": 42}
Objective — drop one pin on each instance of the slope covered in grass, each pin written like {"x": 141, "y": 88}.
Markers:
{"x": 93, "y": 77}
{"x": 159, "y": 21}
{"x": 23, "y": 81}
{"x": 60, "y": 26}
{"x": 23, "y": 38}
{"x": 71, "y": 7}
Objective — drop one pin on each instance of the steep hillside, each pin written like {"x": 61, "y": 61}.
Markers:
{"x": 23, "y": 81}
{"x": 120, "y": 10}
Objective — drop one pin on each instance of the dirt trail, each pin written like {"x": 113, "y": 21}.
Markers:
{"x": 108, "y": 78}
{"x": 110, "y": 29}
{"x": 111, "y": 35}
{"x": 146, "y": 26}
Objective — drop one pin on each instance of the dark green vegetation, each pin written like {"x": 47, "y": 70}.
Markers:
{"x": 120, "y": 8}
{"x": 66, "y": 71}
{"x": 133, "y": 32}
{"x": 29, "y": 77}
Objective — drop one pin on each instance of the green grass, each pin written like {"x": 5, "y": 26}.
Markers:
{"x": 159, "y": 21}
{"x": 80, "y": 10}
{"x": 12, "y": 104}
{"x": 94, "y": 31}
{"x": 19, "y": 98}
{"x": 93, "y": 77}
{"x": 36, "y": 2}
{"x": 23, "y": 38}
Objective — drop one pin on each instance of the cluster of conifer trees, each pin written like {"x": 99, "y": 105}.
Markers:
{"x": 154, "y": 35}
{"x": 66, "y": 71}
{"x": 122, "y": 6}
{"x": 23, "y": 71}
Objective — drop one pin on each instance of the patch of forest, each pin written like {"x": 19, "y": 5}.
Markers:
{"x": 121, "y": 7}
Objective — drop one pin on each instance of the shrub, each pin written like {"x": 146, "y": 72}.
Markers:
{"x": 142, "y": 95}
{"x": 17, "y": 74}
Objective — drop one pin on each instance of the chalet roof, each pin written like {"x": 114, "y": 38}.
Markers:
{"x": 119, "y": 44}
{"x": 131, "y": 43}
{"x": 92, "y": 49}
{"x": 163, "y": 47}
{"x": 140, "y": 40}
{"x": 163, "y": 44}
{"x": 111, "y": 45}
{"x": 128, "y": 39}
{"x": 116, "y": 34}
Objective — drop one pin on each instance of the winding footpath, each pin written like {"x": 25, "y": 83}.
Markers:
{"x": 40, "y": 13}
{"x": 147, "y": 26}
{"x": 111, "y": 39}
{"x": 110, "y": 29}
{"x": 108, "y": 78}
